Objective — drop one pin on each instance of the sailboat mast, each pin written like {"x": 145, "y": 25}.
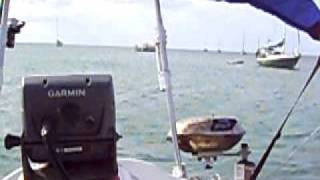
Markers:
{"x": 3, "y": 36}
{"x": 299, "y": 41}
{"x": 285, "y": 38}
{"x": 243, "y": 41}
{"x": 57, "y": 32}
{"x": 165, "y": 84}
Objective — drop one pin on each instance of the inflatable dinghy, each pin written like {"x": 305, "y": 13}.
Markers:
{"x": 208, "y": 134}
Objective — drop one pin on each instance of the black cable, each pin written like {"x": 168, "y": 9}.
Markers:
{"x": 278, "y": 134}
{"x": 48, "y": 133}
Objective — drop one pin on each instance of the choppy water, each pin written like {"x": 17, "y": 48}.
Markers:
{"x": 203, "y": 84}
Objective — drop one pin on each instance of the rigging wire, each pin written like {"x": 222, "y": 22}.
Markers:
{"x": 279, "y": 132}
{"x": 13, "y": 174}
{"x": 296, "y": 149}
{"x": 304, "y": 142}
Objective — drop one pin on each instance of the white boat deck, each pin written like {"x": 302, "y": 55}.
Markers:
{"x": 129, "y": 169}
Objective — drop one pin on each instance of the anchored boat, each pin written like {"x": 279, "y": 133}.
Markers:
{"x": 280, "y": 60}
{"x": 145, "y": 48}
{"x": 274, "y": 56}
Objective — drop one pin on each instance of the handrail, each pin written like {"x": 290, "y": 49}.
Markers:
{"x": 3, "y": 37}
{"x": 165, "y": 85}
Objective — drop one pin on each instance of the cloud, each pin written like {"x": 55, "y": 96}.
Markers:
{"x": 189, "y": 23}
{"x": 83, "y": 22}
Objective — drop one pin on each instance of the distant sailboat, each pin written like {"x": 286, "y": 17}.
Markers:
{"x": 146, "y": 47}
{"x": 219, "y": 46}
{"x": 243, "y": 52}
{"x": 274, "y": 55}
{"x": 59, "y": 43}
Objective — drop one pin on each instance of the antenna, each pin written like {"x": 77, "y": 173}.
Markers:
{"x": 57, "y": 32}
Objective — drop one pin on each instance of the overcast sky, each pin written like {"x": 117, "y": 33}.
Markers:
{"x": 192, "y": 24}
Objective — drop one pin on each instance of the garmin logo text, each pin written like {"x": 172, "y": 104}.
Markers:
{"x": 64, "y": 93}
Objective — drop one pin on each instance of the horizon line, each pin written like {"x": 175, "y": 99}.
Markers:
{"x": 127, "y": 46}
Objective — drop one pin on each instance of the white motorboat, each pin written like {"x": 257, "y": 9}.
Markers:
{"x": 235, "y": 62}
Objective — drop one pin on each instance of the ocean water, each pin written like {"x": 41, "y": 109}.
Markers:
{"x": 203, "y": 84}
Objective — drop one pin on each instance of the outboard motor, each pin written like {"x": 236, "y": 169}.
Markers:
{"x": 69, "y": 125}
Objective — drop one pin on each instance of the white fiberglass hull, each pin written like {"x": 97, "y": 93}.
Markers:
{"x": 279, "y": 61}
{"x": 208, "y": 134}
{"x": 129, "y": 169}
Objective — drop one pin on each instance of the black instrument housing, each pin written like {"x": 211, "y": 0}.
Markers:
{"x": 80, "y": 110}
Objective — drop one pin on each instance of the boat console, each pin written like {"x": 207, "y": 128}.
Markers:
{"x": 68, "y": 127}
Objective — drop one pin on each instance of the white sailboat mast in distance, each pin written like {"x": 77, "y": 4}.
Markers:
{"x": 243, "y": 52}
{"x": 219, "y": 46}
{"x": 58, "y": 41}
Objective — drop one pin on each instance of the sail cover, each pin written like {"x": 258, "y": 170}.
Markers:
{"x": 277, "y": 45}
{"x": 302, "y": 14}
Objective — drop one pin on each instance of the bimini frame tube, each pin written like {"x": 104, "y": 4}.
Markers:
{"x": 3, "y": 36}
{"x": 165, "y": 85}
